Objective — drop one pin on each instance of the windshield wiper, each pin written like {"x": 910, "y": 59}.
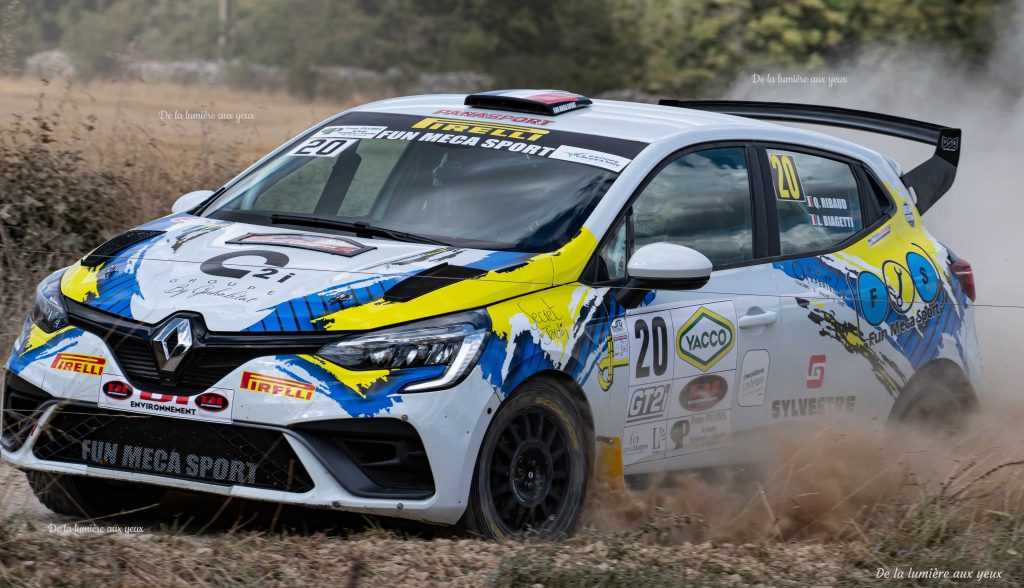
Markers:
{"x": 360, "y": 229}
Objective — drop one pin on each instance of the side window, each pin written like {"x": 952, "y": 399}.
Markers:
{"x": 611, "y": 259}
{"x": 700, "y": 200}
{"x": 816, "y": 199}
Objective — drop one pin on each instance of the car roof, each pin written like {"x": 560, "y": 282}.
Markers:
{"x": 649, "y": 123}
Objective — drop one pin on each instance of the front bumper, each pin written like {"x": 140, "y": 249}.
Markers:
{"x": 363, "y": 445}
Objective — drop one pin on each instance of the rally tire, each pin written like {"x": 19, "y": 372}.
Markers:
{"x": 78, "y": 496}
{"x": 531, "y": 474}
{"x": 938, "y": 399}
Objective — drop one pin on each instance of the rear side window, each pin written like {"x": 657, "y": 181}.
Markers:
{"x": 816, "y": 199}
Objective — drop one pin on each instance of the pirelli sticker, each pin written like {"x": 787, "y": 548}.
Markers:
{"x": 498, "y": 132}
{"x": 488, "y": 129}
{"x": 81, "y": 364}
{"x": 276, "y": 386}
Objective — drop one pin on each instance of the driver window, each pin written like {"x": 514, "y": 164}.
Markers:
{"x": 701, "y": 200}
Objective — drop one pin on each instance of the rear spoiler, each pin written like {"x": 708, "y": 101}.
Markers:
{"x": 928, "y": 181}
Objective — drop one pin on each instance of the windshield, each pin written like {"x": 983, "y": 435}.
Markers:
{"x": 465, "y": 183}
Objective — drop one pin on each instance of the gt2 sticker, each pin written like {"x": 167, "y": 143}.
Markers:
{"x": 322, "y": 147}
{"x": 648, "y": 402}
{"x": 81, "y": 364}
{"x": 213, "y": 405}
{"x": 785, "y": 178}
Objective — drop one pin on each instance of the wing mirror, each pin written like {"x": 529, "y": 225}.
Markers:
{"x": 669, "y": 266}
{"x": 191, "y": 200}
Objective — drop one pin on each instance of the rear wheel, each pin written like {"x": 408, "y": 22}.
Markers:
{"x": 531, "y": 474}
{"x": 90, "y": 497}
{"x": 938, "y": 400}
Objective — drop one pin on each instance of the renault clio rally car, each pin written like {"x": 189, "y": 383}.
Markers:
{"x": 457, "y": 309}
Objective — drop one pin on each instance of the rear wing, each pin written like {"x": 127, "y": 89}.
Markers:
{"x": 928, "y": 181}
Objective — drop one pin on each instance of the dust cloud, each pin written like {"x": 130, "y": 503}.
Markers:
{"x": 980, "y": 218}
{"x": 829, "y": 481}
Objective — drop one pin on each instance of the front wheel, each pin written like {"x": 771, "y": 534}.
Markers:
{"x": 531, "y": 475}
{"x": 79, "y": 496}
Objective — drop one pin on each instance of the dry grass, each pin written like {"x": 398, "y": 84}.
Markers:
{"x": 81, "y": 163}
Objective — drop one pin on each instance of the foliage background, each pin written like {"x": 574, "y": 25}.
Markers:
{"x": 681, "y": 47}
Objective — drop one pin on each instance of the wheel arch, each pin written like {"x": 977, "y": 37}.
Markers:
{"x": 576, "y": 394}
{"x": 938, "y": 370}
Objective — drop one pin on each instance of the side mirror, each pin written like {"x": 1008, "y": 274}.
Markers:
{"x": 670, "y": 266}
{"x": 190, "y": 200}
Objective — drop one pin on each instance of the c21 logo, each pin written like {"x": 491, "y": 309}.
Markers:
{"x": 215, "y": 266}
{"x": 898, "y": 288}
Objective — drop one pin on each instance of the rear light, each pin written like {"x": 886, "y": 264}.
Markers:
{"x": 963, "y": 272}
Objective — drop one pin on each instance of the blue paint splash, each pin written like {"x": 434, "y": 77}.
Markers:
{"x": 380, "y": 397}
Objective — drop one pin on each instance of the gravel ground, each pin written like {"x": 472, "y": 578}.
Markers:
{"x": 38, "y": 548}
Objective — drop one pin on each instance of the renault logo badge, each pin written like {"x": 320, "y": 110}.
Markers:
{"x": 171, "y": 343}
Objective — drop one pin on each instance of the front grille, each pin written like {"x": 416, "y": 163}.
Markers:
{"x": 204, "y": 452}
{"x": 20, "y": 408}
{"x": 212, "y": 357}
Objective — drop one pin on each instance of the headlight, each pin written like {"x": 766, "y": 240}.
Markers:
{"x": 454, "y": 341}
{"x": 50, "y": 313}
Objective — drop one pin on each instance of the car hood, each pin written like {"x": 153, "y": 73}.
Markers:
{"x": 243, "y": 277}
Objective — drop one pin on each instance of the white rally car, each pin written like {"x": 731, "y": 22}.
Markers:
{"x": 456, "y": 309}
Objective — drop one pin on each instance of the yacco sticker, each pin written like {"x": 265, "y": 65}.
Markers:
{"x": 276, "y": 386}
{"x": 704, "y": 339}
{"x": 590, "y": 157}
{"x": 82, "y": 364}
{"x": 213, "y": 405}
{"x": 326, "y": 244}
{"x": 753, "y": 378}
{"x": 322, "y": 147}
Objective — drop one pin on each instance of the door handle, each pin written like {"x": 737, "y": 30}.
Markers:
{"x": 765, "y": 317}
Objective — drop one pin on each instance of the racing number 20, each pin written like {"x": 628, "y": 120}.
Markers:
{"x": 322, "y": 147}
{"x": 787, "y": 182}
{"x": 658, "y": 347}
